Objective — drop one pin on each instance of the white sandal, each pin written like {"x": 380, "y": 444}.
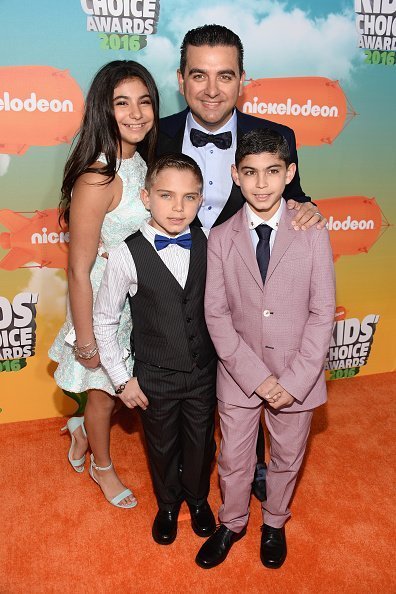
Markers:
{"x": 116, "y": 500}
{"x": 72, "y": 424}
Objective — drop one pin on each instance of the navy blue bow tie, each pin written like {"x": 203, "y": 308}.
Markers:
{"x": 222, "y": 141}
{"x": 162, "y": 242}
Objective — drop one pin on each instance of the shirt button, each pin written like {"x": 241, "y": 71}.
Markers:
{"x": 209, "y": 208}
{"x": 211, "y": 183}
{"x": 266, "y": 313}
{"x": 211, "y": 151}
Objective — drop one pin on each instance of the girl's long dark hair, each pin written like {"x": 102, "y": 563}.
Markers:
{"x": 99, "y": 132}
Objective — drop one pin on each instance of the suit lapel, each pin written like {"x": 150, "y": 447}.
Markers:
{"x": 243, "y": 244}
{"x": 235, "y": 200}
{"x": 285, "y": 235}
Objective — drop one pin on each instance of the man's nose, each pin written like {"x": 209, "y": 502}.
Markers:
{"x": 212, "y": 88}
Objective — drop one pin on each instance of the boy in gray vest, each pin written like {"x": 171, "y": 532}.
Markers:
{"x": 162, "y": 270}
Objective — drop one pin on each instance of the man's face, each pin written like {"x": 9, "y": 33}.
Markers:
{"x": 211, "y": 84}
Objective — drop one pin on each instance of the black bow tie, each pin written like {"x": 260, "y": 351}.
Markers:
{"x": 222, "y": 141}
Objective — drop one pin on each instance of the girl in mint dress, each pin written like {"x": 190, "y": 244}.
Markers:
{"x": 101, "y": 205}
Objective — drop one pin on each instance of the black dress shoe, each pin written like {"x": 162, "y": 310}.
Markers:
{"x": 258, "y": 485}
{"x": 165, "y": 526}
{"x": 273, "y": 546}
{"x": 202, "y": 519}
{"x": 215, "y": 549}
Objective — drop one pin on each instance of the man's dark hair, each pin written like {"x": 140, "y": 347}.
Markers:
{"x": 262, "y": 140}
{"x": 212, "y": 35}
{"x": 172, "y": 161}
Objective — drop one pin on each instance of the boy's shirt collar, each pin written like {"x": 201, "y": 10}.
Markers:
{"x": 149, "y": 232}
{"x": 254, "y": 220}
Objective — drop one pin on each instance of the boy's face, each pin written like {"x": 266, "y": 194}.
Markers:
{"x": 262, "y": 179}
{"x": 173, "y": 199}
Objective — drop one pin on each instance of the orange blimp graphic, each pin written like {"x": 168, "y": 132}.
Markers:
{"x": 36, "y": 241}
{"x": 340, "y": 313}
{"x": 315, "y": 107}
{"x": 355, "y": 223}
{"x": 39, "y": 106}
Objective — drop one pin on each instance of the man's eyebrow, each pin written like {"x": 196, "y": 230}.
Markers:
{"x": 203, "y": 71}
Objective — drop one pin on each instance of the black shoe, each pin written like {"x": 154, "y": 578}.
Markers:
{"x": 202, "y": 519}
{"x": 215, "y": 549}
{"x": 165, "y": 526}
{"x": 258, "y": 485}
{"x": 273, "y": 546}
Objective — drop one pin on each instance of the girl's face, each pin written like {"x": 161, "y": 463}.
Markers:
{"x": 133, "y": 112}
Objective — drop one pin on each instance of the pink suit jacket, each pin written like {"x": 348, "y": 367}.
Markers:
{"x": 282, "y": 328}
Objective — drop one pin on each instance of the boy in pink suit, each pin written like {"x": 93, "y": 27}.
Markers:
{"x": 269, "y": 307}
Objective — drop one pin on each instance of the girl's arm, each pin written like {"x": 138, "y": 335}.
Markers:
{"x": 90, "y": 202}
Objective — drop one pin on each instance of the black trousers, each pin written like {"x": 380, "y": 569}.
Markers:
{"x": 179, "y": 430}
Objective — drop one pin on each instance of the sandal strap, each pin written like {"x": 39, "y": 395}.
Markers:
{"x": 116, "y": 500}
{"x": 74, "y": 423}
{"x": 96, "y": 467}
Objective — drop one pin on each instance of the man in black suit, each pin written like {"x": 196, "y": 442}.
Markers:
{"x": 211, "y": 78}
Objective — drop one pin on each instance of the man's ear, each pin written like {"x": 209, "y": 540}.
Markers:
{"x": 290, "y": 173}
{"x": 145, "y": 198}
{"x": 243, "y": 76}
{"x": 234, "y": 175}
{"x": 180, "y": 80}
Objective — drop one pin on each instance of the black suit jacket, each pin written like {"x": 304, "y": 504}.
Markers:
{"x": 170, "y": 140}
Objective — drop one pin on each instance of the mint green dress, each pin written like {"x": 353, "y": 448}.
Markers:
{"x": 118, "y": 224}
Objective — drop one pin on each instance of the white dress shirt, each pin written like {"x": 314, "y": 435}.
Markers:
{"x": 254, "y": 221}
{"x": 215, "y": 165}
{"x": 119, "y": 279}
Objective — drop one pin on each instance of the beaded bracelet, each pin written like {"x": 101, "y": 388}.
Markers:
{"x": 79, "y": 351}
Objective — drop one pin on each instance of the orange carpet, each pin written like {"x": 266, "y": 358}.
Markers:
{"x": 60, "y": 535}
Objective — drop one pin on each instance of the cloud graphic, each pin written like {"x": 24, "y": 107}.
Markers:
{"x": 278, "y": 41}
{"x": 51, "y": 286}
{"x": 4, "y": 163}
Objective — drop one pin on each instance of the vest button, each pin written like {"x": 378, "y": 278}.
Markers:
{"x": 184, "y": 300}
{"x": 191, "y": 337}
{"x": 188, "y": 320}
{"x": 195, "y": 355}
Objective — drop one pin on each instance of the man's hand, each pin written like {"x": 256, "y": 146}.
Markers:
{"x": 264, "y": 388}
{"x": 133, "y": 396}
{"x": 278, "y": 398}
{"x": 306, "y": 216}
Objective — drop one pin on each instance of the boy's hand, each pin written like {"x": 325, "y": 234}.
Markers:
{"x": 133, "y": 396}
{"x": 268, "y": 384}
{"x": 278, "y": 398}
{"x": 307, "y": 215}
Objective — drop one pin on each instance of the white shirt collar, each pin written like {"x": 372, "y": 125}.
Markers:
{"x": 254, "y": 220}
{"x": 230, "y": 126}
{"x": 149, "y": 232}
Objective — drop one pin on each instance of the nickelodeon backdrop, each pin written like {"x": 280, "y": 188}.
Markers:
{"x": 325, "y": 69}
